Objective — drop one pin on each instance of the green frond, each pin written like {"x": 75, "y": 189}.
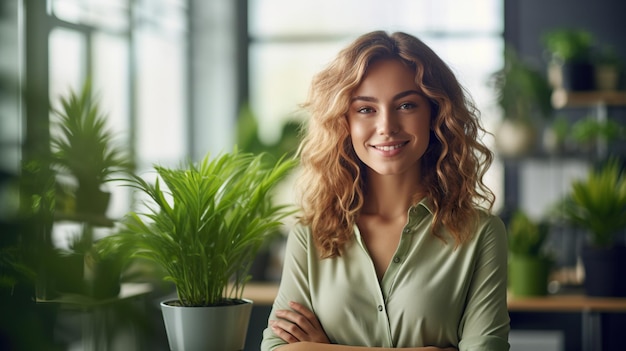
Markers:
{"x": 598, "y": 203}
{"x": 82, "y": 144}
{"x": 526, "y": 237}
{"x": 206, "y": 221}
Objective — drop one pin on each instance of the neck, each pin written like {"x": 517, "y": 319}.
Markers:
{"x": 390, "y": 196}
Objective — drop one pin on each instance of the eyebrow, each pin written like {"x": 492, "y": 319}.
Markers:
{"x": 396, "y": 97}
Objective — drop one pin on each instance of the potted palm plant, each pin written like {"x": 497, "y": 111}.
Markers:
{"x": 203, "y": 225}
{"x": 84, "y": 147}
{"x": 598, "y": 204}
{"x": 529, "y": 265}
{"x": 84, "y": 156}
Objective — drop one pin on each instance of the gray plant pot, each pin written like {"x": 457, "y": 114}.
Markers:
{"x": 218, "y": 328}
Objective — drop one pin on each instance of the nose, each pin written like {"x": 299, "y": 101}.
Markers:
{"x": 388, "y": 123}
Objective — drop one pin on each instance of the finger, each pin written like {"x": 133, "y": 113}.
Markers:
{"x": 302, "y": 310}
{"x": 308, "y": 326}
{"x": 300, "y": 324}
{"x": 288, "y": 338}
{"x": 287, "y": 331}
{"x": 308, "y": 314}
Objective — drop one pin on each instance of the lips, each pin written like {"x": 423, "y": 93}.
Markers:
{"x": 390, "y": 147}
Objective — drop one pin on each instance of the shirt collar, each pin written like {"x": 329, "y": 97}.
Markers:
{"x": 425, "y": 203}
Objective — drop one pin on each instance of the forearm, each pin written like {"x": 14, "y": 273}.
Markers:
{"x": 307, "y": 346}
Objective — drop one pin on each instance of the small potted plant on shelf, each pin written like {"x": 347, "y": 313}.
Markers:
{"x": 529, "y": 265}
{"x": 523, "y": 93}
{"x": 570, "y": 66}
{"x": 598, "y": 205}
{"x": 204, "y": 225}
{"x": 607, "y": 67}
{"x": 85, "y": 149}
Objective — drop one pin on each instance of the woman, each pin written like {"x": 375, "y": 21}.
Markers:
{"x": 396, "y": 247}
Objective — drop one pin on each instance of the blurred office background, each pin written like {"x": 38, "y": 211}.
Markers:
{"x": 176, "y": 76}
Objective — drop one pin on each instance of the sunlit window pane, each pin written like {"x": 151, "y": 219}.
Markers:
{"x": 109, "y": 14}
{"x": 110, "y": 79}
{"x": 330, "y": 17}
{"x": 66, "y": 63}
{"x": 169, "y": 17}
{"x": 111, "y": 76}
{"x": 161, "y": 120}
{"x": 161, "y": 82}
{"x": 282, "y": 73}
{"x": 476, "y": 16}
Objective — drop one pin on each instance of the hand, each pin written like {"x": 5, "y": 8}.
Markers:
{"x": 298, "y": 325}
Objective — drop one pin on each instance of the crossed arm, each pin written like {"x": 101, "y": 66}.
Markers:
{"x": 307, "y": 346}
{"x": 303, "y": 331}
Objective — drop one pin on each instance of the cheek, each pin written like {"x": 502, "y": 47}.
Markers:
{"x": 420, "y": 127}
{"x": 358, "y": 132}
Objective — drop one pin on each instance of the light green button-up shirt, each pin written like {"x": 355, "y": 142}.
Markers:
{"x": 430, "y": 295}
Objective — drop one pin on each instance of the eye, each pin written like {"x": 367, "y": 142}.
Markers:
{"x": 364, "y": 110}
{"x": 407, "y": 106}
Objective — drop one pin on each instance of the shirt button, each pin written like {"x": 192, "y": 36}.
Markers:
{"x": 406, "y": 230}
{"x": 396, "y": 259}
{"x": 380, "y": 308}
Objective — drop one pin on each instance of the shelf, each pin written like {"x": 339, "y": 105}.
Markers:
{"x": 567, "y": 303}
{"x": 562, "y": 98}
{"x": 127, "y": 291}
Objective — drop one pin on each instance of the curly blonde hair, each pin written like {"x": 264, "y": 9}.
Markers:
{"x": 332, "y": 178}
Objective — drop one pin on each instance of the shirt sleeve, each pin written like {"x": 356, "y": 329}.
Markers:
{"x": 294, "y": 284}
{"x": 485, "y": 322}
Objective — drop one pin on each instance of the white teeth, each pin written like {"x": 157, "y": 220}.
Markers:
{"x": 388, "y": 148}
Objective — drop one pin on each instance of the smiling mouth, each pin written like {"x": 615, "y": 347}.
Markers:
{"x": 389, "y": 147}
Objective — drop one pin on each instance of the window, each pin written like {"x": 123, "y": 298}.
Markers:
{"x": 135, "y": 53}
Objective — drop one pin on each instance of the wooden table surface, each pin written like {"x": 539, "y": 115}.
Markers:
{"x": 264, "y": 294}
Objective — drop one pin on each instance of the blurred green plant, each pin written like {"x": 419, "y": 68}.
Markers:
{"x": 522, "y": 90}
{"x": 598, "y": 203}
{"x": 248, "y": 139}
{"x": 589, "y": 130}
{"x": 527, "y": 237}
{"x": 569, "y": 44}
{"x": 83, "y": 146}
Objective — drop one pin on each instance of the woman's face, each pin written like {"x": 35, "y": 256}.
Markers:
{"x": 389, "y": 119}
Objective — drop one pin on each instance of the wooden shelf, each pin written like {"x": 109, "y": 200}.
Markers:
{"x": 562, "y": 98}
{"x": 127, "y": 291}
{"x": 567, "y": 303}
